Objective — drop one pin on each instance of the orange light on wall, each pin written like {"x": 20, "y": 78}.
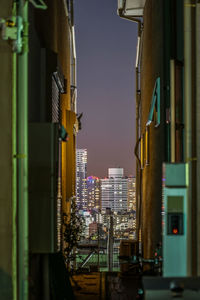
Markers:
{"x": 175, "y": 231}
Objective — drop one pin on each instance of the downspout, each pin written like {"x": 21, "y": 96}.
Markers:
{"x": 198, "y": 129}
{"x": 138, "y": 97}
{"x": 188, "y": 103}
{"x": 74, "y": 69}
{"x": 14, "y": 169}
{"x": 22, "y": 154}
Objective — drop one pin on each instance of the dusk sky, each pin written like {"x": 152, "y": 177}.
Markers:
{"x": 106, "y": 50}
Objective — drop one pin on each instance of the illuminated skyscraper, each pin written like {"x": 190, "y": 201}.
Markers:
{"x": 131, "y": 197}
{"x": 114, "y": 190}
{"x": 81, "y": 174}
{"x": 93, "y": 192}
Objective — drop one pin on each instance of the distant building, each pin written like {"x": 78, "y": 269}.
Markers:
{"x": 131, "y": 195}
{"x": 93, "y": 192}
{"x": 114, "y": 190}
{"x": 81, "y": 174}
{"x": 93, "y": 228}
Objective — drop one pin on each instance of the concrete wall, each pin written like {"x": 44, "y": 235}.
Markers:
{"x": 51, "y": 30}
{"x": 151, "y": 69}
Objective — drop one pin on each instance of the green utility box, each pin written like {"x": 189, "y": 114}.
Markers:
{"x": 175, "y": 220}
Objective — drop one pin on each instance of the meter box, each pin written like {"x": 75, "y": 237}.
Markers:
{"x": 175, "y": 219}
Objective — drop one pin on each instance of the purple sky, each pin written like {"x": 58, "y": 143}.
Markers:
{"x": 106, "y": 49}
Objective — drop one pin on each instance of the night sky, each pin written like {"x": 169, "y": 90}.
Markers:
{"x": 106, "y": 50}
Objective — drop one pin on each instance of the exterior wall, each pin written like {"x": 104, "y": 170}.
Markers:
{"x": 114, "y": 194}
{"x": 81, "y": 174}
{"x": 93, "y": 193}
{"x": 50, "y": 51}
{"x": 151, "y": 69}
{"x": 54, "y": 32}
{"x": 6, "y": 169}
{"x": 131, "y": 194}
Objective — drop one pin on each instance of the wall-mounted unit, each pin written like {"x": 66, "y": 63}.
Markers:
{"x": 175, "y": 220}
{"x": 43, "y": 173}
{"x": 131, "y": 7}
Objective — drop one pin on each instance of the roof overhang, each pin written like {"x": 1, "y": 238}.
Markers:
{"x": 131, "y": 8}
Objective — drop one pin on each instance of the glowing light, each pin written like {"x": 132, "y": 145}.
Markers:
{"x": 175, "y": 230}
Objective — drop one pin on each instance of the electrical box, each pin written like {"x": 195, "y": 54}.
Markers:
{"x": 175, "y": 220}
{"x": 43, "y": 174}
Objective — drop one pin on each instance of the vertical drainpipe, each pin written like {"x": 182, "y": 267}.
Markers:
{"x": 172, "y": 111}
{"x": 138, "y": 97}
{"x": 22, "y": 155}
{"x": 198, "y": 129}
{"x": 14, "y": 180}
{"x": 74, "y": 68}
{"x": 138, "y": 164}
{"x": 189, "y": 132}
{"x": 14, "y": 170}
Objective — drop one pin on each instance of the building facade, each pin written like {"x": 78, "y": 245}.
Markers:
{"x": 131, "y": 193}
{"x": 38, "y": 100}
{"x": 167, "y": 119}
{"x": 81, "y": 178}
{"x": 93, "y": 193}
{"x": 114, "y": 190}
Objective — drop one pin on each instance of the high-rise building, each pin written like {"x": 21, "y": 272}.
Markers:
{"x": 93, "y": 192}
{"x": 114, "y": 190}
{"x": 131, "y": 194}
{"x": 81, "y": 174}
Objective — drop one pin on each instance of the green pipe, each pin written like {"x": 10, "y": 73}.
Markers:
{"x": 14, "y": 172}
{"x": 198, "y": 127}
{"x": 22, "y": 156}
{"x": 187, "y": 117}
{"x": 14, "y": 180}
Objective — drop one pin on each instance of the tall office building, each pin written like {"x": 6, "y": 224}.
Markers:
{"x": 131, "y": 194}
{"x": 114, "y": 190}
{"x": 81, "y": 174}
{"x": 93, "y": 192}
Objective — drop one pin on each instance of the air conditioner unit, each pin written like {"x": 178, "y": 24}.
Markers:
{"x": 43, "y": 173}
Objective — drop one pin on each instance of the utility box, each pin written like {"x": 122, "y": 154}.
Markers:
{"x": 43, "y": 174}
{"x": 175, "y": 220}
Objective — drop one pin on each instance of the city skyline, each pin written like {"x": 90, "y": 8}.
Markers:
{"x": 105, "y": 79}
{"x": 83, "y": 151}
{"x": 116, "y": 190}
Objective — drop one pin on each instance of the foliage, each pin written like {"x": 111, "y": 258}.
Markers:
{"x": 74, "y": 226}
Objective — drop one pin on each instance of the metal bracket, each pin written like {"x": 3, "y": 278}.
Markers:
{"x": 11, "y": 29}
{"x": 40, "y": 5}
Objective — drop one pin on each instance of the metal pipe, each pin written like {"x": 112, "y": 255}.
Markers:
{"x": 22, "y": 155}
{"x": 172, "y": 110}
{"x": 187, "y": 117}
{"x": 74, "y": 69}
{"x": 137, "y": 87}
{"x": 198, "y": 129}
{"x": 87, "y": 259}
{"x": 14, "y": 170}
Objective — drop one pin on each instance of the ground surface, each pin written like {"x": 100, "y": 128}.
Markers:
{"x": 105, "y": 286}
